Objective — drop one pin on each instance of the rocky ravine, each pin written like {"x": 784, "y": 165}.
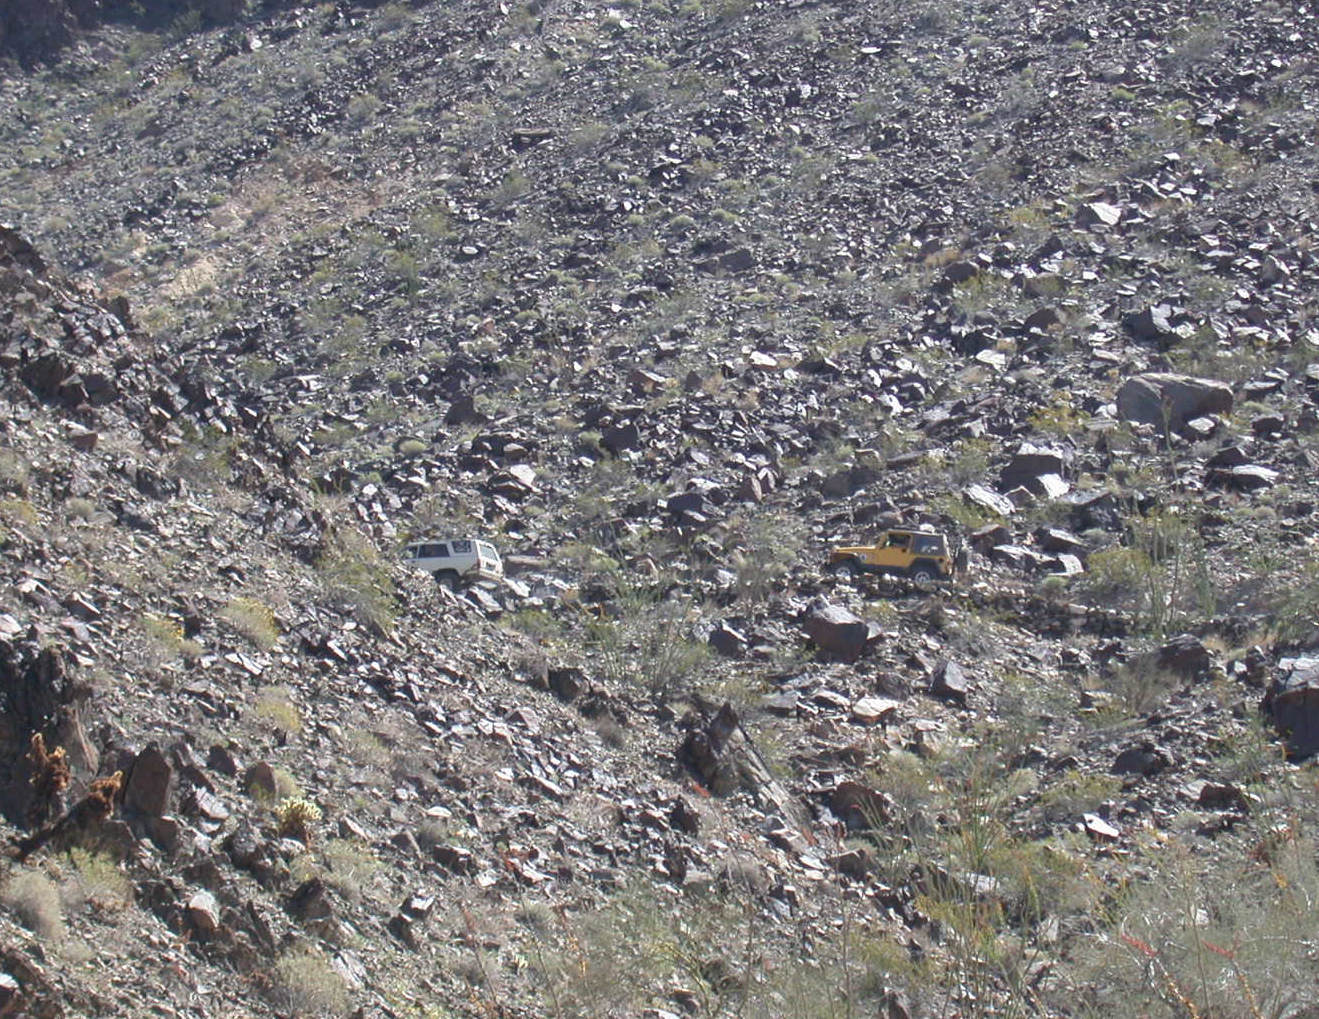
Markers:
{"x": 665, "y": 299}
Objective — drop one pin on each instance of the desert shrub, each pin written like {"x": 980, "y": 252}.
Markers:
{"x": 18, "y": 511}
{"x": 1059, "y": 418}
{"x": 1176, "y": 946}
{"x": 965, "y": 514}
{"x": 611, "y": 733}
{"x": 285, "y": 787}
{"x": 296, "y": 818}
{"x": 275, "y": 705}
{"x": 609, "y": 959}
{"x": 1141, "y": 685}
{"x": 434, "y": 831}
{"x": 969, "y": 462}
{"x": 80, "y": 509}
{"x": 98, "y": 881}
{"x": 538, "y": 624}
{"x": 1077, "y": 793}
{"x": 767, "y": 546}
{"x": 165, "y": 638}
{"x": 35, "y": 900}
{"x": 349, "y": 864}
{"x": 1294, "y": 611}
{"x": 254, "y": 620}
{"x": 305, "y": 984}
{"x": 204, "y": 458}
{"x": 356, "y": 576}
{"x": 365, "y": 747}
{"x": 1115, "y": 573}
{"x": 15, "y": 472}
{"x": 949, "y": 828}
{"x": 646, "y": 639}
{"x": 1161, "y": 574}
{"x": 363, "y": 108}
{"x": 405, "y": 267}
{"x": 394, "y": 16}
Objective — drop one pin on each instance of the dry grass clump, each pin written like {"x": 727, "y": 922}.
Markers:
{"x": 350, "y": 865}
{"x": 356, "y": 576}
{"x": 304, "y": 983}
{"x": 35, "y": 900}
{"x": 275, "y": 705}
{"x": 254, "y": 620}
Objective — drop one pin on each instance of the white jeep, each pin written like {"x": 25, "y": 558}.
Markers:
{"x": 455, "y": 561}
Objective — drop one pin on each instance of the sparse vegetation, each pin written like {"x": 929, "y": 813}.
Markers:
{"x": 348, "y": 866}
{"x": 254, "y": 620}
{"x": 35, "y": 900}
{"x": 276, "y": 706}
{"x": 355, "y": 575}
{"x": 296, "y": 818}
{"x": 304, "y": 983}
{"x": 665, "y": 299}
{"x": 165, "y": 638}
{"x": 99, "y": 882}
{"x": 645, "y": 639}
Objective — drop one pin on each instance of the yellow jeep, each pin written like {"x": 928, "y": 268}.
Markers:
{"x": 922, "y": 556}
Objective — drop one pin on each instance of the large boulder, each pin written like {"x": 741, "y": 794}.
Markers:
{"x": 15, "y": 249}
{"x": 949, "y": 682}
{"x": 1293, "y": 703}
{"x": 1030, "y": 463}
{"x": 149, "y": 782}
{"x": 1186, "y": 654}
{"x": 721, "y": 754}
{"x": 838, "y": 632}
{"x": 1164, "y": 399}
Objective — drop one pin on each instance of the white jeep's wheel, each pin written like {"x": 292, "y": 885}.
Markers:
{"x": 448, "y": 579}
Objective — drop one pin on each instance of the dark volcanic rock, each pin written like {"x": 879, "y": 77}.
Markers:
{"x": 148, "y": 783}
{"x": 860, "y": 806}
{"x": 1245, "y": 478}
{"x": 1160, "y": 398}
{"x": 949, "y": 682}
{"x": 1185, "y": 654}
{"x": 839, "y": 632}
{"x": 1145, "y": 759}
{"x": 1293, "y": 703}
{"x": 1030, "y": 463}
{"x": 40, "y": 697}
{"x": 35, "y": 30}
{"x": 1152, "y": 323}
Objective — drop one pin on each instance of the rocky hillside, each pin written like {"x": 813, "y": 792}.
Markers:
{"x": 666, "y": 300}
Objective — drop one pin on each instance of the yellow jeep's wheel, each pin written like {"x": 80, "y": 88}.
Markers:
{"x": 923, "y": 577}
{"x": 848, "y": 568}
